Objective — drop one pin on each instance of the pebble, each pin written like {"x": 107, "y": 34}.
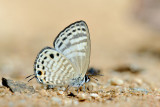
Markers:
{"x": 60, "y": 93}
{"x": 17, "y": 86}
{"x": 116, "y": 81}
{"x": 94, "y": 95}
{"x": 82, "y": 96}
{"x": 92, "y": 86}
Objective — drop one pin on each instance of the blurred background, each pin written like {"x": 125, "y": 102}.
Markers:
{"x": 122, "y": 32}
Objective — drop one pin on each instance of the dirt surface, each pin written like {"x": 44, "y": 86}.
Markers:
{"x": 124, "y": 48}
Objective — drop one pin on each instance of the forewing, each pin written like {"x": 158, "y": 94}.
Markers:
{"x": 74, "y": 43}
{"x": 53, "y": 68}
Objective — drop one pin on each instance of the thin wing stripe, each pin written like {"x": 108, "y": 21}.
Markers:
{"x": 63, "y": 73}
{"x": 80, "y": 46}
{"x": 78, "y": 39}
{"x": 69, "y": 45}
{"x": 70, "y": 41}
{"x": 74, "y": 54}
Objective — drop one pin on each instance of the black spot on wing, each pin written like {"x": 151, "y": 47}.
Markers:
{"x": 83, "y": 29}
{"x": 74, "y": 30}
{"x": 62, "y": 35}
{"x": 67, "y": 30}
{"x": 39, "y": 72}
{"x": 42, "y": 62}
{"x": 69, "y": 34}
{"x": 57, "y": 41}
{"x": 57, "y": 54}
{"x": 72, "y": 26}
{"x": 60, "y": 45}
{"x": 64, "y": 38}
{"x": 45, "y": 52}
{"x": 82, "y": 24}
{"x": 43, "y": 67}
{"x": 51, "y": 55}
{"x": 45, "y": 57}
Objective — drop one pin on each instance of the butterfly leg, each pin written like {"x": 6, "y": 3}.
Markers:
{"x": 84, "y": 88}
{"x": 68, "y": 87}
{"x": 77, "y": 90}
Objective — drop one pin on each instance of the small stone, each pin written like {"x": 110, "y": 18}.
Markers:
{"x": 57, "y": 100}
{"x": 94, "y": 95}
{"x": 60, "y": 93}
{"x": 116, "y": 81}
{"x": 17, "y": 86}
{"x": 82, "y": 96}
{"x": 92, "y": 86}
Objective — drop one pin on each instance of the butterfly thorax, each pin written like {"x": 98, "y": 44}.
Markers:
{"x": 77, "y": 82}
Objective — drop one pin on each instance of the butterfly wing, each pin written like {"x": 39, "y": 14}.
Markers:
{"x": 53, "y": 68}
{"x": 74, "y": 43}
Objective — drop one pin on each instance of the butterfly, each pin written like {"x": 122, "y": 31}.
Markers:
{"x": 68, "y": 61}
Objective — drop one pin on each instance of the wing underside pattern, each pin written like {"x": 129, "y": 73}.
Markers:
{"x": 74, "y": 43}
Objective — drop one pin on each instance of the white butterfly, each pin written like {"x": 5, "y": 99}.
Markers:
{"x": 68, "y": 61}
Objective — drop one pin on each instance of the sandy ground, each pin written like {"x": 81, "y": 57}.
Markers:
{"x": 124, "y": 48}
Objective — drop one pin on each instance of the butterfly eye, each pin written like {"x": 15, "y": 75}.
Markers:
{"x": 39, "y": 73}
